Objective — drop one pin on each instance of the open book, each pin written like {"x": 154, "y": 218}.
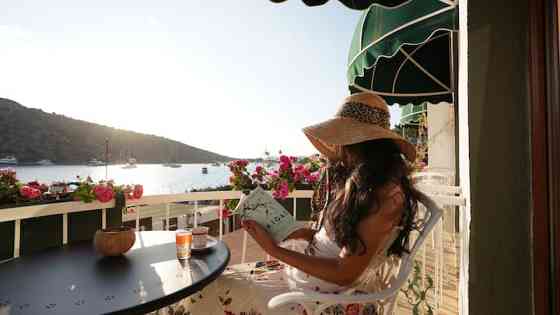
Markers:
{"x": 271, "y": 215}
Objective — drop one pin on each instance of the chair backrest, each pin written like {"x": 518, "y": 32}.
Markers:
{"x": 433, "y": 214}
{"x": 432, "y": 177}
{"x": 436, "y": 189}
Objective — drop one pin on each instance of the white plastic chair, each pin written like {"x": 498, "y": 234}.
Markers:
{"x": 448, "y": 197}
{"x": 315, "y": 303}
{"x": 437, "y": 183}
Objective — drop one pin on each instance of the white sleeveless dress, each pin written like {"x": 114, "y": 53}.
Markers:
{"x": 245, "y": 289}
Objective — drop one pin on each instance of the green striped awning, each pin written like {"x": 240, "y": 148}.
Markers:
{"x": 404, "y": 53}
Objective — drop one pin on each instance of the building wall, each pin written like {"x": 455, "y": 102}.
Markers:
{"x": 500, "y": 277}
{"x": 441, "y": 139}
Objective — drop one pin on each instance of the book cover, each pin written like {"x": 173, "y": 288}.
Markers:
{"x": 269, "y": 213}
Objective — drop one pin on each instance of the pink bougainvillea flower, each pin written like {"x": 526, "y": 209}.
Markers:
{"x": 103, "y": 193}
{"x": 312, "y": 178}
{"x": 29, "y": 192}
{"x": 138, "y": 191}
{"x": 282, "y": 191}
{"x": 259, "y": 169}
{"x": 285, "y": 159}
{"x": 284, "y": 167}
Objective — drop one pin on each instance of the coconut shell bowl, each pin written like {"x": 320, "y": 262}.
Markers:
{"x": 114, "y": 241}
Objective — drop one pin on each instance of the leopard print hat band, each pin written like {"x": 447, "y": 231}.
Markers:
{"x": 365, "y": 113}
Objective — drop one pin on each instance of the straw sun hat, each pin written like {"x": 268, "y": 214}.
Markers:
{"x": 362, "y": 117}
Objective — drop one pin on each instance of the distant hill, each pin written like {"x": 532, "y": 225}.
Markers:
{"x": 32, "y": 135}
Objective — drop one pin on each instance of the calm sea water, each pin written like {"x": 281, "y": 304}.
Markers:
{"x": 155, "y": 178}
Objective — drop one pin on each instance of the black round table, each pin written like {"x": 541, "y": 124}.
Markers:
{"x": 74, "y": 279}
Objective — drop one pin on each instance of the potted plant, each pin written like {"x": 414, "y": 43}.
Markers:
{"x": 42, "y": 232}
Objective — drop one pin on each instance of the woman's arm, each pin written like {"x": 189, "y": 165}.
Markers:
{"x": 346, "y": 268}
{"x": 305, "y": 233}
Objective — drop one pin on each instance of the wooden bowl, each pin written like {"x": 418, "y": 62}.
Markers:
{"x": 114, "y": 241}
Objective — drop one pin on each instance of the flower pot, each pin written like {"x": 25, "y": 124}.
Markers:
{"x": 114, "y": 241}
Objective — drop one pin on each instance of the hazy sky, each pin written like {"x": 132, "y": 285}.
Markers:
{"x": 231, "y": 76}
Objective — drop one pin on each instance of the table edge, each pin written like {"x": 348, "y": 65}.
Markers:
{"x": 177, "y": 296}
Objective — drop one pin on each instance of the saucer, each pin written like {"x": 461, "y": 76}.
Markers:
{"x": 211, "y": 242}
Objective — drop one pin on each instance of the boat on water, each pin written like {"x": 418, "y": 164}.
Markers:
{"x": 172, "y": 165}
{"x": 95, "y": 162}
{"x": 216, "y": 164}
{"x": 9, "y": 160}
{"x": 45, "y": 163}
{"x": 172, "y": 162}
{"x": 131, "y": 164}
{"x": 205, "y": 170}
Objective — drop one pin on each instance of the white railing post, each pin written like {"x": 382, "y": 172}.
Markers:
{"x": 103, "y": 218}
{"x": 167, "y": 216}
{"x": 65, "y": 228}
{"x": 221, "y": 218}
{"x": 423, "y": 273}
{"x": 244, "y": 248}
{"x": 137, "y": 211}
{"x": 17, "y": 243}
{"x": 441, "y": 251}
{"x": 195, "y": 213}
{"x": 295, "y": 219}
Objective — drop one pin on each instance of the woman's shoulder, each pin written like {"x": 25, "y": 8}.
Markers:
{"x": 385, "y": 214}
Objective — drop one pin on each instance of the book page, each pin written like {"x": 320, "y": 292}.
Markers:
{"x": 271, "y": 215}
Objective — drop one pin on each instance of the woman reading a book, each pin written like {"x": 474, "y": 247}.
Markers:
{"x": 367, "y": 207}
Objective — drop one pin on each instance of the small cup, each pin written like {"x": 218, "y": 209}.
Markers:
{"x": 183, "y": 240}
{"x": 200, "y": 236}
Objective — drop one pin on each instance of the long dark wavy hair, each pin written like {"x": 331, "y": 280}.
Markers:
{"x": 363, "y": 169}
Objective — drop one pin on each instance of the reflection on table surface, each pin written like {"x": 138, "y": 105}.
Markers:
{"x": 74, "y": 279}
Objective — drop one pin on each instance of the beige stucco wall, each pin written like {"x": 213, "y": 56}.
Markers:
{"x": 500, "y": 277}
{"x": 441, "y": 138}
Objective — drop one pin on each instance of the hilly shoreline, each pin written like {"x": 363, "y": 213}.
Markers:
{"x": 32, "y": 135}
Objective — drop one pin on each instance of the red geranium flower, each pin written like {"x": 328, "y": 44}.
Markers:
{"x": 103, "y": 193}
{"x": 138, "y": 191}
{"x": 29, "y": 192}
